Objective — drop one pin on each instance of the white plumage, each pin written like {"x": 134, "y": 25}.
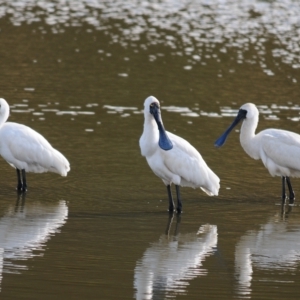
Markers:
{"x": 26, "y": 150}
{"x": 278, "y": 149}
{"x": 172, "y": 158}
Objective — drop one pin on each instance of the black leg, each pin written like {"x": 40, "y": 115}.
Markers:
{"x": 20, "y": 185}
{"x": 283, "y": 189}
{"x": 292, "y": 194}
{"x": 24, "y": 188}
{"x": 179, "y": 204}
{"x": 171, "y": 203}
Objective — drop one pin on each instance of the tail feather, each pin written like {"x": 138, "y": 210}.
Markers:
{"x": 213, "y": 184}
{"x": 60, "y": 164}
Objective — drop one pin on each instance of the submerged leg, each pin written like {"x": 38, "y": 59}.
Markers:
{"x": 24, "y": 188}
{"x": 283, "y": 189}
{"x": 171, "y": 203}
{"x": 292, "y": 194}
{"x": 20, "y": 185}
{"x": 179, "y": 204}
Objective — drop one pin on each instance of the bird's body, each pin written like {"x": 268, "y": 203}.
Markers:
{"x": 24, "y": 148}
{"x": 278, "y": 149}
{"x": 182, "y": 164}
{"x": 27, "y": 150}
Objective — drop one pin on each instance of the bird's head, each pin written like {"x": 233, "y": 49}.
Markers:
{"x": 152, "y": 108}
{"x": 4, "y": 109}
{"x": 151, "y": 105}
{"x": 246, "y": 112}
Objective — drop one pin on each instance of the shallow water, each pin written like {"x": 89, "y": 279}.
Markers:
{"x": 78, "y": 72}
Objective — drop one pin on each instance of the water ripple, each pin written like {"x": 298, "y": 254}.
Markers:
{"x": 268, "y": 112}
{"x": 273, "y": 112}
{"x": 199, "y": 29}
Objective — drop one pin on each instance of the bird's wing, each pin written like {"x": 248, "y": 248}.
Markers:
{"x": 23, "y": 143}
{"x": 185, "y": 161}
{"x": 184, "y": 145}
{"x": 282, "y": 147}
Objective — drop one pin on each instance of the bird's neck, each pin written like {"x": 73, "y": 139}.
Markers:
{"x": 150, "y": 136}
{"x": 4, "y": 116}
{"x": 247, "y": 137}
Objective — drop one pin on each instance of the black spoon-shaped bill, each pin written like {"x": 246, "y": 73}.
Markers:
{"x": 222, "y": 139}
{"x": 164, "y": 141}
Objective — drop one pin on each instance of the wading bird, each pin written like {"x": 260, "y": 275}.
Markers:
{"x": 26, "y": 150}
{"x": 172, "y": 158}
{"x": 278, "y": 149}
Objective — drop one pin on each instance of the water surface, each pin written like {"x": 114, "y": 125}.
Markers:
{"x": 78, "y": 72}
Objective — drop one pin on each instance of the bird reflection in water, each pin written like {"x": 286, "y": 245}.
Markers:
{"x": 169, "y": 264}
{"x": 26, "y": 228}
{"x": 274, "y": 247}
{"x": 286, "y": 210}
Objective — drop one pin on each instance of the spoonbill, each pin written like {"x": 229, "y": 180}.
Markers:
{"x": 278, "y": 149}
{"x": 172, "y": 158}
{"x": 27, "y": 150}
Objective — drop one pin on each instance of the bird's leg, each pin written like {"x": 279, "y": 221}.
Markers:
{"x": 171, "y": 203}
{"x": 24, "y": 188}
{"x": 20, "y": 185}
{"x": 179, "y": 204}
{"x": 292, "y": 194}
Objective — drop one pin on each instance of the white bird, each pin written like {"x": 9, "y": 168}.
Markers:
{"x": 26, "y": 150}
{"x": 278, "y": 149}
{"x": 172, "y": 158}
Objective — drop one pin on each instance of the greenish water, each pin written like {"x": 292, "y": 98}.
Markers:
{"x": 103, "y": 232}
